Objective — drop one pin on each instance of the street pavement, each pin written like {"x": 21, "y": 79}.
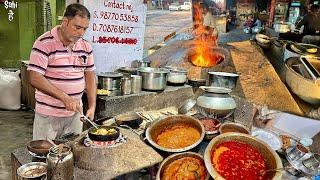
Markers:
{"x": 161, "y": 23}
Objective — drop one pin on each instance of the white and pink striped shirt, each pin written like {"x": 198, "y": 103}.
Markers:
{"x": 64, "y": 69}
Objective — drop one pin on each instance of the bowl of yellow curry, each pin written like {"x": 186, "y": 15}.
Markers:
{"x": 176, "y": 133}
{"x": 104, "y": 133}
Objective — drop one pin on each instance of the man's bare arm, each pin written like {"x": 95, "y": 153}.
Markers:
{"x": 91, "y": 89}
{"x": 38, "y": 81}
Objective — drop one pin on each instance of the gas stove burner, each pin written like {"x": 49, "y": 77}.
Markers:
{"x": 105, "y": 144}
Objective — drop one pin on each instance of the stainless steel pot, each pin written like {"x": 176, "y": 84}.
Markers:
{"x": 60, "y": 166}
{"x": 216, "y": 102}
{"x": 223, "y": 79}
{"x": 109, "y": 80}
{"x": 281, "y": 27}
{"x": 177, "y": 75}
{"x": 154, "y": 79}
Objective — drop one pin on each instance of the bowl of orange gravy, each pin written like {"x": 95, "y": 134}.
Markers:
{"x": 177, "y": 133}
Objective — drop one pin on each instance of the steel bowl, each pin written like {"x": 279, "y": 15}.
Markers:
{"x": 223, "y": 79}
{"x": 176, "y": 76}
{"x": 153, "y": 79}
{"x": 39, "y": 147}
{"x": 272, "y": 159}
{"x": 233, "y": 127}
{"x": 160, "y": 125}
{"x": 31, "y": 170}
{"x": 186, "y": 106}
{"x": 174, "y": 157}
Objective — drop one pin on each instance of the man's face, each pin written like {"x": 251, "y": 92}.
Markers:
{"x": 74, "y": 29}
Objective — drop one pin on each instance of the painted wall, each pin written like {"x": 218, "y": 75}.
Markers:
{"x": 9, "y": 38}
{"x": 17, "y": 37}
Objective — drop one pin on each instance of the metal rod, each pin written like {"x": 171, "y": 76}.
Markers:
{"x": 92, "y": 123}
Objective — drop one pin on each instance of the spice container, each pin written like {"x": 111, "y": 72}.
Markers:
{"x": 136, "y": 84}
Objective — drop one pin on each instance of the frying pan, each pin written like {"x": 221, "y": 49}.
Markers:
{"x": 130, "y": 119}
{"x": 108, "y": 137}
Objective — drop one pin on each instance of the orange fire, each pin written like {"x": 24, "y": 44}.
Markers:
{"x": 202, "y": 55}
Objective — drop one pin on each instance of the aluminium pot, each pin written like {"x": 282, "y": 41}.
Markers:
{"x": 153, "y": 79}
{"x": 223, "y": 79}
{"x": 216, "y": 102}
{"x": 143, "y": 63}
{"x": 109, "y": 80}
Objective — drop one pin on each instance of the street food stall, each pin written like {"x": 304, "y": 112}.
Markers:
{"x": 194, "y": 110}
{"x": 184, "y": 124}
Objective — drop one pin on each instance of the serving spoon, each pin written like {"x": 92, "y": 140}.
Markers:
{"x": 274, "y": 170}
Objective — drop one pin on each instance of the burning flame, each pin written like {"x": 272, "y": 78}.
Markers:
{"x": 202, "y": 55}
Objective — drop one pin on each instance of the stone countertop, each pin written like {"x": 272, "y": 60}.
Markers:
{"x": 110, "y": 162}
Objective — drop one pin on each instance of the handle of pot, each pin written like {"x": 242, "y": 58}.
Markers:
{"x": 309, "y": 67}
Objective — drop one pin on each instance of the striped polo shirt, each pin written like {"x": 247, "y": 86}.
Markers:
{"x": 62, "y": 67}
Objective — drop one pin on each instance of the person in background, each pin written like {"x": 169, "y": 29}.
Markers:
{"x": 311, "y": 23}
{"x": 257, "y": 21}
{"x": 209, "y": 23}
{"x": 61, "y": 68}
{"x": 249, "y": 22}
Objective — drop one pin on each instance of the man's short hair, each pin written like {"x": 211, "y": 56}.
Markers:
{"x": 314, "y": 8}
{"x": 76, "y": 9}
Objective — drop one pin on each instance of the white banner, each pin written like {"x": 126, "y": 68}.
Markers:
{"x": 116, "y": 32}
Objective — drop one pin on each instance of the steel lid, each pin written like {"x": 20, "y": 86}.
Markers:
{"x": 110, "y": 74}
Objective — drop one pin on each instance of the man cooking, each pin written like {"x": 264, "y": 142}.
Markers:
{"x": 311, "y": 24}
{"x": 61, "y": 67}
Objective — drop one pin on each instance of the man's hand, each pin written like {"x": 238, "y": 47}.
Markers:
{"x": 90, "y": 113}
{"x": 72, "y": 104}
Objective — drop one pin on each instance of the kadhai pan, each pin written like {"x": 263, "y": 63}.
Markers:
{"x": 103, "y": 137}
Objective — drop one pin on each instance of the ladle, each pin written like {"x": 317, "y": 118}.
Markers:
{"x": 92, "y": 123}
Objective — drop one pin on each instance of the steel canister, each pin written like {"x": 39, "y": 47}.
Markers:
{"x": 60, "y": 163}
{"x": 136, "y": 84}
{"x": 126, "y": 85}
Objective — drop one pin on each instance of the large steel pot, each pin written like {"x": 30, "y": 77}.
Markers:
{"x": 290, "y": 52}
{"x": 223, "y": 79}
{"x": 154, "y": 79}
{"x": 272, "y": 159}
{"x": 109, "y": 80}
{"x": 300, "y": 82}
{"x": 160, "y": 125}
